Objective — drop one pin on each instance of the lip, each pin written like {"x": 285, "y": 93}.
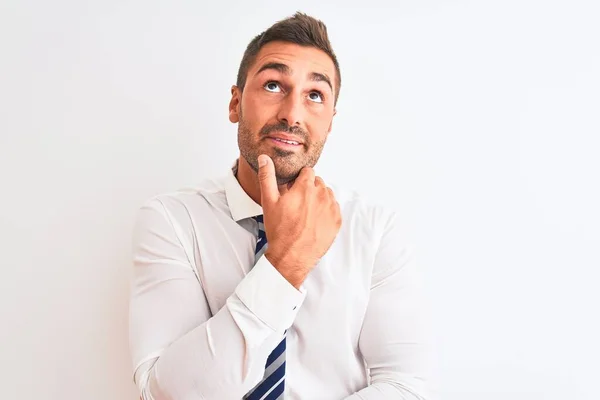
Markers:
{"x": 283, "y": 144}
{"x": 286, "y": 137}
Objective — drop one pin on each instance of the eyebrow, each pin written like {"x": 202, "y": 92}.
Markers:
{"x": 284, "y": 69}
{"x": 317, "y": 77}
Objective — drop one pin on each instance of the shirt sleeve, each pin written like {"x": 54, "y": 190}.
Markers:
{"x": 179, "y": 349}
{"x": 394, "y": 337}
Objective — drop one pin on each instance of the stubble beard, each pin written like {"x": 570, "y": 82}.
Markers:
{"x": 287, "y": 165}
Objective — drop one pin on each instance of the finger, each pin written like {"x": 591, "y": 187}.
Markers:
{"x": 336, "y": 207}
{"x": 307, "y": 175}
{"x": 332, "y": 198}
{"x": 269, "y": 192}
{"x": 319, "y": 182}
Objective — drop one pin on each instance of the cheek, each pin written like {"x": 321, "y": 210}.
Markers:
{"x": 257, "y": 112}
{"x": 318, "y": 124}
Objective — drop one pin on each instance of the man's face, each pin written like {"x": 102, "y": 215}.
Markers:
{"x": 289, "y": 93}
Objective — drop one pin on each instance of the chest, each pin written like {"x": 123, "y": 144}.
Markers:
{"x": 337, "y": 287}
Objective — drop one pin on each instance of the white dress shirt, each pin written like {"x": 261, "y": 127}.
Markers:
{"x": 204, "y": 317}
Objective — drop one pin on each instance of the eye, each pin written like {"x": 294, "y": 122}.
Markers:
{"x": 272, "y": 87}
{"x": 315, "y": 96}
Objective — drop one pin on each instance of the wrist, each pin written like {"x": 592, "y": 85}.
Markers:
{"x": 288, "y": 267}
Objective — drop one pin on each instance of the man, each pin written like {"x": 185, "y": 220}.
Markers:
{"x": 267, "y": 283}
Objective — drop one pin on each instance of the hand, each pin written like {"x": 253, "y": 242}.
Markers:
{"x": 301, "y": 221}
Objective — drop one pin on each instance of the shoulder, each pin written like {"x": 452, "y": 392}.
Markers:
{"x": 213, "y": 187}
{"x": 360, "y": 212}
{"x": 180, "y": 204}
{"x": 374, "y": 232}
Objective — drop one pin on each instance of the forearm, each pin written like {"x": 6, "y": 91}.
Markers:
{"x": 384, "y": 391}
{"x": 216, "y": 357}
{"x": 226, "y": 355}
{"x": 180, "y": 348}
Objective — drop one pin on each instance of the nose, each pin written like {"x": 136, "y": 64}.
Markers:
{"x": 291, "y": 110}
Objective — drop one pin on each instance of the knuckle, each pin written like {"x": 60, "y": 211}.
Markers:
{"x": 263, "y": 173}
{"x": 323, "y": 195}
{"x": 306, "y": 170}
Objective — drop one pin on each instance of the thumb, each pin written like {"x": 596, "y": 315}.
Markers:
{"x": 267, "y": 180}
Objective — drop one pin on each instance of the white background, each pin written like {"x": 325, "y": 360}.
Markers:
{"x": 478, "y": 121}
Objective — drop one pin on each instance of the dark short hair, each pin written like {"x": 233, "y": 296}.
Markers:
{"x": 299, "y": 29}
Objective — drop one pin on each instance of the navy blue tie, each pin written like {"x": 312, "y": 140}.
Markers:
{"x": 273, "y": 383}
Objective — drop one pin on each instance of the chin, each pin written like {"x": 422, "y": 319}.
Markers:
{"x": 286, "y": 176}
{"x": 284, "y": 180}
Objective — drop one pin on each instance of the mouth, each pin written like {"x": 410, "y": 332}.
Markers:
{"x": 287, "y": 144}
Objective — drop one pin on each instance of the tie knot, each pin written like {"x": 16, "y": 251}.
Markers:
{"x": 259, "y": 218}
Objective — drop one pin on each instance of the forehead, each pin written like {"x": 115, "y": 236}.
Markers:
{"x": 301, "y": 59}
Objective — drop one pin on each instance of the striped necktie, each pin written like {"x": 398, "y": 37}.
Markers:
{"x": 272, "y": 385}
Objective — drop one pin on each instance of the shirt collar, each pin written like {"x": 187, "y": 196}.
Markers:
{"x": 240, "y": 204}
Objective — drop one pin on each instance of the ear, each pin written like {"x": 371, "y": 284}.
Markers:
{"x": 331, "y": 123}
{"x": 234, "y": 104}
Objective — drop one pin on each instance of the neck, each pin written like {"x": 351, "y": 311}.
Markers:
{"x": 248, "y": 179}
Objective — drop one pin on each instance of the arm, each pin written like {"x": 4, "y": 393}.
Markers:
{"x": 179, "y": 350}
{"x": 392, "y": 339}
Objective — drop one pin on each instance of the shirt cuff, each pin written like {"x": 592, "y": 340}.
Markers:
{"x": 270, "y": 296}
